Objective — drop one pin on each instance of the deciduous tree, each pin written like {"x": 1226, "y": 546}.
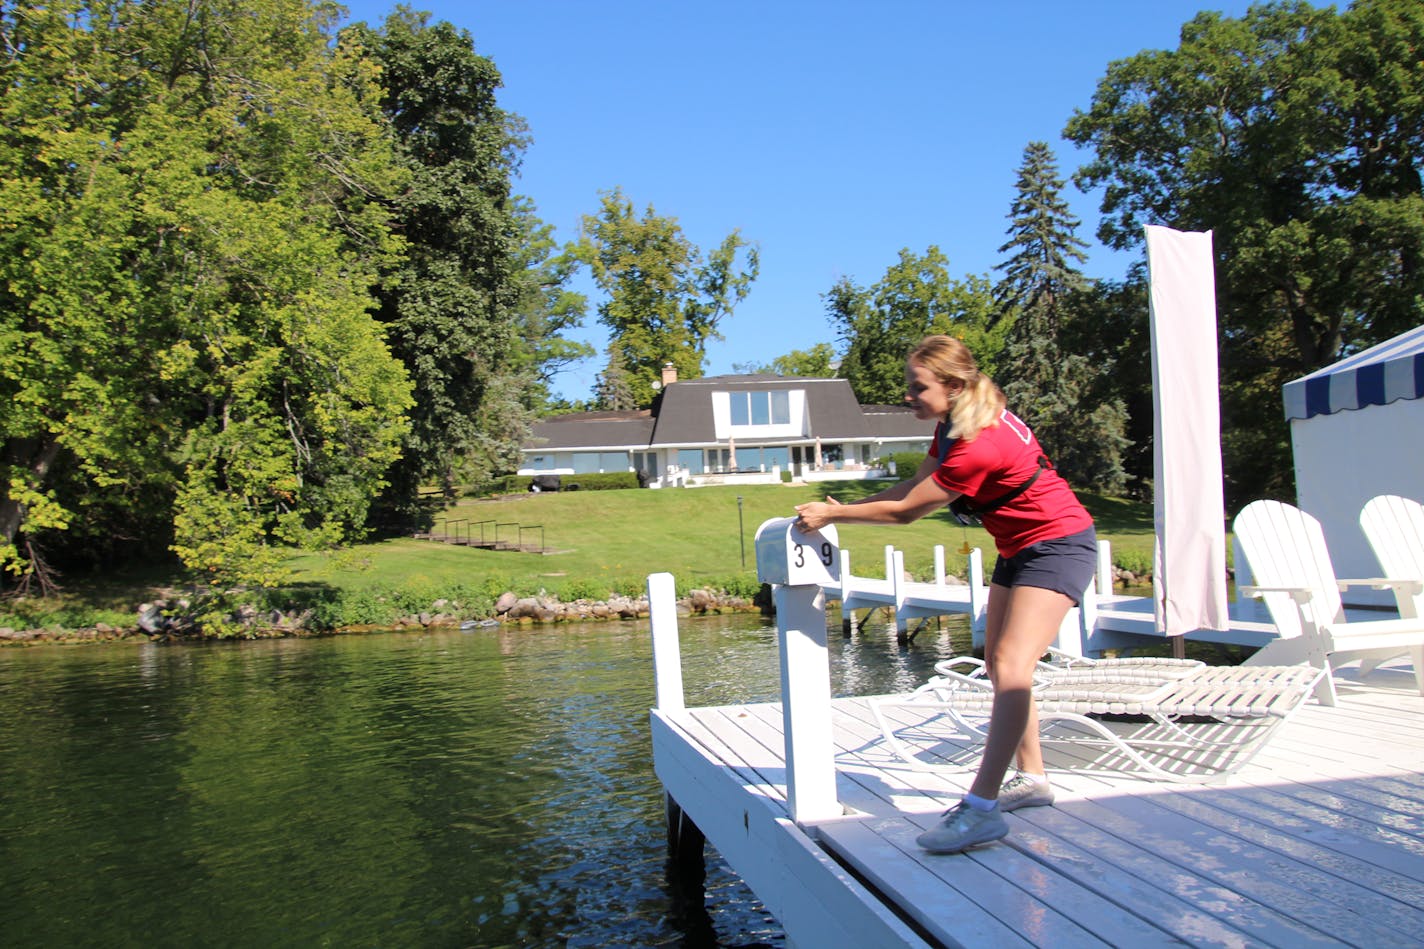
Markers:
{"x": 917, "y": 297}
{"x": 452, "y": 309}
{"x": 664, "y": 300}
{"x": 818, "y": 362}
{"x": 190, "y": 231}
{"x": 1294, "y": 134}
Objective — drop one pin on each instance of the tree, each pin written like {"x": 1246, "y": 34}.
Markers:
{"x": 612, "y": 392}
{"x": 456, "y": 307}
{"x": 1295, "y": 136}
{"x": 1044, "y": 383}
{"x": 547, "y": 309}
{"x": 818, "y": 362}
{"x": 916, "y": 298}
{"x": 664, "y": 300}
{"x": 191, "y": 224}
{"x": 1108, "y": 328}
{"x": 1043, "y": 247}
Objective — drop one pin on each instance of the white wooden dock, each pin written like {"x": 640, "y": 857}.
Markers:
{"x": 1319, "y": 840}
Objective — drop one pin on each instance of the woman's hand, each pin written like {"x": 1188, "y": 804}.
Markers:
{"x": 814, "y": 515}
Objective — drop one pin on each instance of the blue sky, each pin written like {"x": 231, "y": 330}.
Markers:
{"x": 832, "y": 133}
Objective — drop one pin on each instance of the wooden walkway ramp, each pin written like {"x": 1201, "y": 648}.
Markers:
{"x": 1318, "y": 841}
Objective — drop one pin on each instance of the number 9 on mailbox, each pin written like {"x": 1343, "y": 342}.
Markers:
{"x": 793, "y": 557}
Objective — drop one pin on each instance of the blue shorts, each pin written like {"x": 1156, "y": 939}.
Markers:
{"x": 1064, "y": 564}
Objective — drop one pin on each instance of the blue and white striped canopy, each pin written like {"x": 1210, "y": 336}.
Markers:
{"x": 1382, "y": 374}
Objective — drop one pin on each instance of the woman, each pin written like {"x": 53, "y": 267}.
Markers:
{"x": 986, "y": 459}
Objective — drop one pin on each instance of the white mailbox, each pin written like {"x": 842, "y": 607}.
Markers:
{"x": 793, "y": 557}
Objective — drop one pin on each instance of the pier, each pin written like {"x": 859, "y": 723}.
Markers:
{"x": 1318, "y": 840}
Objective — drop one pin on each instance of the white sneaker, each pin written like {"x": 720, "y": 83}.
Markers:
{"x": 963, "y": 827}
{"x": 1023, "y": 791}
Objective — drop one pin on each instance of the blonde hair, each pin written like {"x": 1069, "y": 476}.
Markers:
{"x": 979, "y": 403}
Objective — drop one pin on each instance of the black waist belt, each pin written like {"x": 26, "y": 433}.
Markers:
{"x": 967, "y": 512}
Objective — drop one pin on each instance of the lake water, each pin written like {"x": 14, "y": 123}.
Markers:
{"x": 486, "y": 788}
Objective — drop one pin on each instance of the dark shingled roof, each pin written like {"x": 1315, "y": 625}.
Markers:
{"x": 590, "y": 430}
{"x": 684, "y": 417}
{"x": 895, "y": 421}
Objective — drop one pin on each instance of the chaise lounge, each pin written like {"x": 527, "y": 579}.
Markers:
{"x": 1172, "y": 719}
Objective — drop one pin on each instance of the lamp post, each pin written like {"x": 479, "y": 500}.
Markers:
{"x": 741, "y": 531}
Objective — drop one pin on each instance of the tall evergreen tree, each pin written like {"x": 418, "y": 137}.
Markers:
{"x": 1044, "y": 250}
{"x": 611, "y": 391}
{"x": 1043, "y": 383}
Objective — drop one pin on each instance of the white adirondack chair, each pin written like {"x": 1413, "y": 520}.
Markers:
{"x": 1286, "y": 550}
{"x": 1394, "y": 526}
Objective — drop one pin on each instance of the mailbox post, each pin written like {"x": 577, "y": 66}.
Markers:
{"x": 797, "y": 564}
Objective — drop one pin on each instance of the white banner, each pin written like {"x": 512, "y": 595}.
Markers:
{"x": 1189, "y": 575}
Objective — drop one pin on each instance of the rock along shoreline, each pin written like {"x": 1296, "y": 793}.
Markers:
{"x": 168, "y": 621}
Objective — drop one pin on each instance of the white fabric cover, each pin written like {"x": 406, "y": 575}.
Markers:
{"x": 1189, "y": 575}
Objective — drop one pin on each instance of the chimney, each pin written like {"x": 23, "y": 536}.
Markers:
{"x": 669, "y": 374}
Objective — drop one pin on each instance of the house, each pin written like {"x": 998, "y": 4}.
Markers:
{"x": 739, "y": 429}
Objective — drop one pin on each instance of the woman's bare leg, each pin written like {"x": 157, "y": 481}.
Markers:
{"x": 1021, "y": 624}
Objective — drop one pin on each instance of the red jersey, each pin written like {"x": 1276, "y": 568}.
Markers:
{"x": 998, "y": 460}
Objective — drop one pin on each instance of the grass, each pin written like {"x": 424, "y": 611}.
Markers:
{"x": 599, "y": 542}
{"x": 611, "y": 540}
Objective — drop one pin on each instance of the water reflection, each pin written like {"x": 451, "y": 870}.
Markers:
{"x": 484, "y": 788}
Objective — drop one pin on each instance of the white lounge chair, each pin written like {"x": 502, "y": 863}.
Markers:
{"x": 1291, "y": 567}
{"x": 1175, "y": 719}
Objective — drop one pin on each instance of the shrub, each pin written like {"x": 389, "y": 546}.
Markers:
{"x": 1133, "y": 561}
{"x": 606, "y": 481}
{"x": 906, "y": 462}
{"x": 745, "y": 585}
{"x": 583, "y": 589}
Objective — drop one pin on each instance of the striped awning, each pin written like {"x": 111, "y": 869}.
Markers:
{"x": 1382, "y": 374}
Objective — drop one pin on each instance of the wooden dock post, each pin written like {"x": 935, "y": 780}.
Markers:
{"x": 667, "y": 654}
{"x": 797, "y": 565}
{"x": 686, "y": 860}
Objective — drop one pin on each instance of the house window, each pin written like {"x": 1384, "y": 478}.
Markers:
{"x": 761, "y": 408}
{"x": 592, "y": 462}
{"x": 691, "y": 459}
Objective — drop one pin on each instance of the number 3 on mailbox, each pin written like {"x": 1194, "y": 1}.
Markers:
{"x": 792, "y": 557}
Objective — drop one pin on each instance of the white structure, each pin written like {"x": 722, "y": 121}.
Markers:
{"x": 1357, "y": 430}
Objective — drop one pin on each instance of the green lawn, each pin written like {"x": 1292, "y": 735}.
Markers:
{"x": 598, "y": 542}
{"x": 614, "y": 539}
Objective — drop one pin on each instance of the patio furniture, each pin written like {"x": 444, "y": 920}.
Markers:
{"x": 1172, "y": 719}
{"x": 1291, "y": 566}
